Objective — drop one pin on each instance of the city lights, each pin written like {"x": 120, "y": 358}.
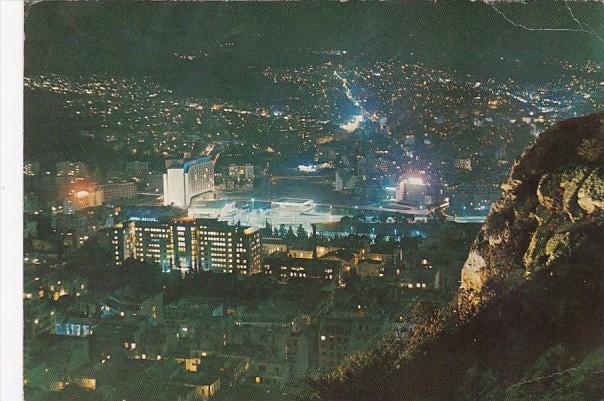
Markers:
{"x": 232, "y": 205}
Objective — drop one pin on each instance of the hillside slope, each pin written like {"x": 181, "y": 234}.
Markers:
{"x": 528, "y": 321}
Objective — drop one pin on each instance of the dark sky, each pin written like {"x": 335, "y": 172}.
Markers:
{"x": 139, "y": 38}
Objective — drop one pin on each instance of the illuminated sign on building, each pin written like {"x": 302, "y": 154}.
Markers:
{"x": 187, "y": 165}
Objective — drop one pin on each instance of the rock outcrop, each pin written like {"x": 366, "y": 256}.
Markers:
{"x": 553, "y": 192}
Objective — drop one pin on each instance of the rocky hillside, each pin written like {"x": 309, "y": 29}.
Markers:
{"x": 528, "y": 321}
{"x": 554, "y": 194}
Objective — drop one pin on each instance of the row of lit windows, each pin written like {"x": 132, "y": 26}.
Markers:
{"x": 417, "y": 285}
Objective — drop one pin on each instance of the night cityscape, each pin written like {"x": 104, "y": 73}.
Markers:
{"x": 295, "y": 201}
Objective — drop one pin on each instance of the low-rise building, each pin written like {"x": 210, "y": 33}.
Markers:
{"x": 121, "y": 189}
{"x": 286, "y": 268}
{"x": 371, "y": 268}
{"x": 344, "y": 333}
{"x": 273, "y": 245}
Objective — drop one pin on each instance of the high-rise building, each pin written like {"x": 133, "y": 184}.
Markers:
{"x": 183, "y": 182}
{"x": 228, "y": 249}
{"x": 189, "y": 244}
{"x": 144, "y": 240}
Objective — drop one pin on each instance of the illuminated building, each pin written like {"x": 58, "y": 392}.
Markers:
{"x": 290, "y": 212}
{"x": 83, "y": 196}
{"x": 147, "y": 241}
{"x": 31, "y": 168}
{"x": 286, "y": 269}
{"x": 227, "y": 249}
{"x": 332, "y": 345}
{"x": 272, "y": 245}
{"x": 464, "y": 164}
{"x": 411, "y": 190}
{"x": 119, "y": 190}
{"x": 419, "y": 279}
{"x": 189, "y": 244}
{"x": 245, "y": 171}
{"x": 207, "y": 378}
{"x": 293, "y": 205}
{"x": 185, "y": 244}
{"x": 390, "y": 253}
{"x": 269, "y": 372}
{"x": 73, "y": 327}
{"x": 132, "y": 304}
{"x": 242, "y": 175}
{"x": 74, "y": 239}
{"x": 214, "y": 209}
{"x": 183, "y": 182}
{"x": 416, "y": 192}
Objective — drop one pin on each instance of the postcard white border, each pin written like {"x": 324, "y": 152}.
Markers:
{"x": 11, "y": 199}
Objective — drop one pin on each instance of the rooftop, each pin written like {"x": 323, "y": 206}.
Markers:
{"x": 190, "y": 163}
{"x": 293, "y": 200}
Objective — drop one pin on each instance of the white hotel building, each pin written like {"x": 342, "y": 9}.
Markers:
{"x": 181, "y": 184}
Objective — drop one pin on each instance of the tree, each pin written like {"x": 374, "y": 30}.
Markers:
{"x": 301, "y": 232}
{"x": 267, "y": 230}
{"x": 93, "y": 261}
{"x": 142, "y": 276}
{"x": 290, "y": 233}
{"x": 282, "y": 230}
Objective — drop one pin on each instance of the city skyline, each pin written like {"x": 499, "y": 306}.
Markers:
{"x": 283, "y": 200}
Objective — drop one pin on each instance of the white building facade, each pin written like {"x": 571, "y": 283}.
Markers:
{"x": 181, "y": 184}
